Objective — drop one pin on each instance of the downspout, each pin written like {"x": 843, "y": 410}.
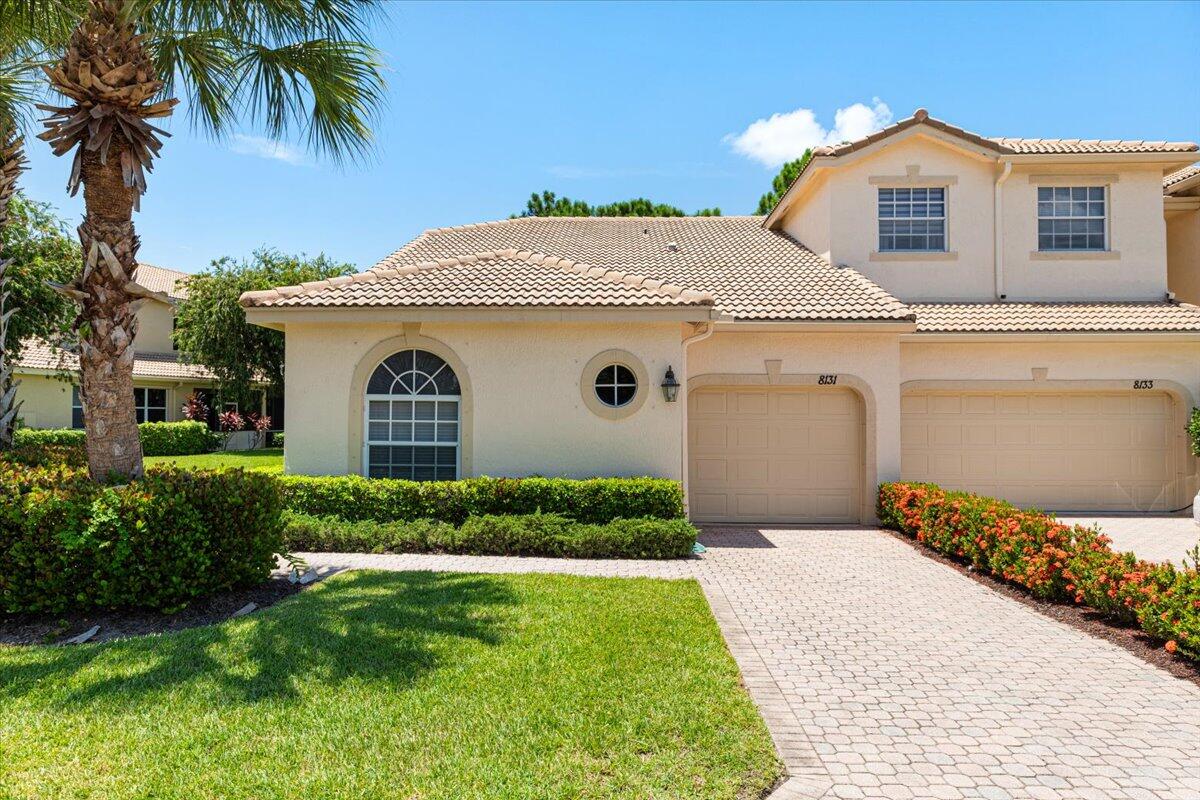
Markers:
{"x": 709, "y": 328}
{"x": 997, "y": 227}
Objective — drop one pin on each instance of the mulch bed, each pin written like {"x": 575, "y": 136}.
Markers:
{"x": 51, "y": 628}
{"x": 1081, "y": 618}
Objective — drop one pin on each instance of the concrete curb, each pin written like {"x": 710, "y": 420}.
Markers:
{"x": 807, "y": 778}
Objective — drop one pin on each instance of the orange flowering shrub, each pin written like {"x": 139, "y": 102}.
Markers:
{"x": 1052, "y": 560}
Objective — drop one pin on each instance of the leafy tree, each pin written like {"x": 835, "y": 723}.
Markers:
{"x": 280, "y": 64}
{"x": 548, "y": 204}
{"x": 211, "y": 327}
{"x": 25, "y": 41}
{"x": 791, "y": 170}
{"x": 41, "y": 251}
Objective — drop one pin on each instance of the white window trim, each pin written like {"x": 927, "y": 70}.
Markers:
{"x": 1058, "y": 254}
{"x": 145, "y": 407}
{"x": 876, "y": 254}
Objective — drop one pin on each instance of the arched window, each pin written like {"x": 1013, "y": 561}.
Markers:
{"x": 412, "y": 415}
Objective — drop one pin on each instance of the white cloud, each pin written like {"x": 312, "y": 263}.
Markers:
{"x": 783, "y": 137}
{"x": 262, "y": 147}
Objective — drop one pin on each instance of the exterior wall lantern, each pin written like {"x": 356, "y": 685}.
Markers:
{"x": 670, "y": 386}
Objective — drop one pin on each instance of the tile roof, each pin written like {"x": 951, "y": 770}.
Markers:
{"x": 499, "y": 278}
{"x": 751, "y": 272}
{"x": 161, "y": 279}
{"x": 1056, "y": 317}
{"x": 1005, "y": 145}
{"x": 37, "y": 354}
{"x": 1179, "y": 176}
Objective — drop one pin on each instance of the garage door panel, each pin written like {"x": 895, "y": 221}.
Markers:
{"x": 1054, "y": 450}
{"x": 785, "y": 454}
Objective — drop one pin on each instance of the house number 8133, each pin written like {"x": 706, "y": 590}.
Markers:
{"x": 1143, "y": 384}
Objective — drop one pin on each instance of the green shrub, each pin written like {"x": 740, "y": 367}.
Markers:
{"x": 48, "y": 437}
{"x": 1052, "y": 560}
{"x": 276, "y": 439}
{"x": 184, "y": 438}
{"x": 158, "y": 438}
{"x": 158, "y": 542}
{"x": 31, "y": 455}
{"x": 507, "y": 535}
{"x": 1193, "y": 430}
{"x": 595, "y": 500}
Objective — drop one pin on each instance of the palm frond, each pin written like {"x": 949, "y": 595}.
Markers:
{"x": 331, "y": 89}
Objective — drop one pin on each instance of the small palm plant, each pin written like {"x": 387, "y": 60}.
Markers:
{"x": 281, "y": 64}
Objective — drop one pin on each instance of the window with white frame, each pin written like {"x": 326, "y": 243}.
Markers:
{"x": 1072, "y": 218}
{"x": 616, "y": 385}
{"x": 413, "y": 402}
{"x": 151, "y": 404}
{"x": 912, "y": 220}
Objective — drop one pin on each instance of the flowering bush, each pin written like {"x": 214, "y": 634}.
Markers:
{"x": 1054, "y": 561}
{"x": 195, "y": 409}
{"x": 260, "y": 423}
{"x": 230, "y": 422}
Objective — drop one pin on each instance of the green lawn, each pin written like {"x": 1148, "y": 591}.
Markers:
{"x": 267, "y": 460}
{"x": 398, "y": 685}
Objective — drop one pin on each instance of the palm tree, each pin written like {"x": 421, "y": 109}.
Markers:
{"x": 24, "y": 44}
{"x": 279, "y": 63}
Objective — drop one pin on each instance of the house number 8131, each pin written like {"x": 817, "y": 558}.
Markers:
{"x": 827, "y": 380}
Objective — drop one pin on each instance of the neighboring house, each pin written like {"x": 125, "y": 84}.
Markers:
{"x": 1181, "y": 206}
{"x": 926, "y": 303}
{"x": 161, "y": 381}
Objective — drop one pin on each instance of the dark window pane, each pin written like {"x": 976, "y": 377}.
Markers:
{"x": 156, "y": 415}
{"x": 76, "y": 417}
{"x": 141, "y": 415}
{"x": 447, "y": 456}
{"x": 447, "y": 382}
{"x": 139, "y": 397}
{"x": 624, "y": 374}
{"x": 427, "y": 362}
{"x": 381, "y": 381}
{"x": 625, "y": 394}
{"x": 157, "y": 397}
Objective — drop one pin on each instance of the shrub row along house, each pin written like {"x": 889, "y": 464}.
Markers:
{"x": 992, "y": 314}
{"x": 162, "y": 381}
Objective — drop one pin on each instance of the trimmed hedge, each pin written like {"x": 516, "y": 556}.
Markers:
{"x": 512, "y": 535}
{"x": 183, "y": 438}
{"x": 1052, "y": 560}
{"x": 159, "y": 542}
{"x": 593, "y": 500}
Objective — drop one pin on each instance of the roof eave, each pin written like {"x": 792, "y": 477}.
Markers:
{"x": 1051, "y": 336}
{"x": 279, "y": 317}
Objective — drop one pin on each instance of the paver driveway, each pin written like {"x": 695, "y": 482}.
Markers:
{"x": 1154, "y": 537}
{"x": 884, "y": 674}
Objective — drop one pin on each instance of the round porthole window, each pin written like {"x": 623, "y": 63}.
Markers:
{"x": 616, "y": 385}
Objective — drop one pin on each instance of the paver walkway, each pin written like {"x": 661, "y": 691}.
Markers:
{"x": 883, "y": 674}
{"x": 1155, "y": 537}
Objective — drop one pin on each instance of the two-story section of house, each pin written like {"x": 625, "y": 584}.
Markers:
{"x": 1181, "y": 207}
{"x": 992, "y": 314}
{"x": 162, "y": 381}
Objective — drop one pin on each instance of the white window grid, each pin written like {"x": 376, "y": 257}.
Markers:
{"x": 1072, "y": 218}
{"x": 415, "y": 437}
{"x": 150, "y": 404}
{"x": 912, "y": 219}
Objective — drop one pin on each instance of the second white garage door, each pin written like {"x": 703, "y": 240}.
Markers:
{"x": 775, "y": 454}
{"x": 1095, "y": 451}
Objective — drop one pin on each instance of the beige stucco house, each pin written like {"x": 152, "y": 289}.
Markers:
{"x": 1181, "y": 205}
{"x": 926, "y": 303}
{"x": 161, "y": 381}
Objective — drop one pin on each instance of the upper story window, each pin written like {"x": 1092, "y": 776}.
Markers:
{"x": 912, "y": 220}
{"x": 1071, "y": 218}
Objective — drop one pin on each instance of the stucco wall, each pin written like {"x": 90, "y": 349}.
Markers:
{"x": 527, "y": 412}
{"x": 46, "y": 400}
{"x": 1136, "y": 231}
{"x": 1166, "y": 363}
{"x": 871, "y": 358}
{"x": 1183, "y": 255}
{"x": 154, "y": 328}
{"x": 846, "y": 198}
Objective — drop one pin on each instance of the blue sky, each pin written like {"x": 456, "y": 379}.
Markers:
{"x": 488, "y": 103}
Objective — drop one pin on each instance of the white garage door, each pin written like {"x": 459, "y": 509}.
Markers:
{"x": 1096, "y": 451}
{"x": 785, "y": 455}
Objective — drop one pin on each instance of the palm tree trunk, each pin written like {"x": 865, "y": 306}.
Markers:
{"x": 12, "y": 161}
{"x": 106, "y": 348}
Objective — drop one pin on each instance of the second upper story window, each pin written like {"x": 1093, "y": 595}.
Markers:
{"x": 912, "y": 220}
{"x": 1071, "y": 218}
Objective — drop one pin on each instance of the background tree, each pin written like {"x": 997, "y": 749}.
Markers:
{"x": 25, "y": 40}
{"x": 782, "y": 181}
{"x": 302, "y": 64}
{"x": 548, "y": 204}
{"x": 42, "y": 251}
{"x": 211, "y": 327}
